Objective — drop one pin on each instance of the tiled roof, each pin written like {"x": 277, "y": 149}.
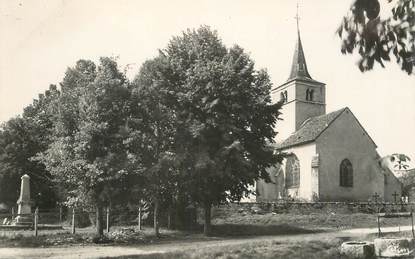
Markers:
{"x": 310, "y": 130}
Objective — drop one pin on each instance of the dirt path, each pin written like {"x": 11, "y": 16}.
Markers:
{"x": 114, "y": 251}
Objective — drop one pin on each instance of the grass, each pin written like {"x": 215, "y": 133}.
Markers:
{"x": 86, "y": 236}
{"x": 310, "y": 221}
{"x": 266, "y": 249}
{"x": 326, "y": 248}
{"x": 223, "y": 230}
{"x": 19, "y": 239}
{"x": 263, "y": 249}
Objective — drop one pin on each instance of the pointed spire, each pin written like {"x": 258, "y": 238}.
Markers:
{"x": 299, "y": 65}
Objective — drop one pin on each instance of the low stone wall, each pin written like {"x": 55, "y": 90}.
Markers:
{"x": 320, "y": 207}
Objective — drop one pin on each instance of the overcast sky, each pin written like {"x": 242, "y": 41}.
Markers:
{"x": 40, "y": 39}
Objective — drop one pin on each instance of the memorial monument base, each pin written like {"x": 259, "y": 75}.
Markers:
{"x": 24, "y": 217}
{"x": 23, "y": 221}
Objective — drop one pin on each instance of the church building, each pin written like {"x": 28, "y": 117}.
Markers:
{"x": 330, "y": 156}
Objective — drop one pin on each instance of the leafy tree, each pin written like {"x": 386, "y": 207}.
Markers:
{"x": 407, "y": 179}
{"x": 225, "y": 119}
{"x": 88, "y": 154}
{"x": 151, "y": 136}
{"x": 400, "y": 161}
{"x": 376, "y": 39}
{"x": 21, "y": 138}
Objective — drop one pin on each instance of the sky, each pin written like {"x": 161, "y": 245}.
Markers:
{"x": 41, "y": 39}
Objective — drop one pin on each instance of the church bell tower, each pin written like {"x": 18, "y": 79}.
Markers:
{"x": 302, "y": 96}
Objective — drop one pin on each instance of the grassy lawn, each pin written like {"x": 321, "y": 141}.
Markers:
{"x": 325, "y": 248}
{"x": 85, "y": 236}
{"x": 132, "y": 236}
{"x": 308, "y": 222}
{"x": 263, "y": 249}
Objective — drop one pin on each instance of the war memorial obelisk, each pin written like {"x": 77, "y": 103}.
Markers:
{"x": 24, "y": 209}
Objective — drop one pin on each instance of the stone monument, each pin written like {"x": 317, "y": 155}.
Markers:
{"x": 24, "y": 209}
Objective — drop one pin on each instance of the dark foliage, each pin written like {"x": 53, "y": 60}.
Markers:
{"x": 376, "y": 40}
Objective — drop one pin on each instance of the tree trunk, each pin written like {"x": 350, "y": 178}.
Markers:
{"x": 156, "y": 217}
{"x": 207, "y": 225}
{"x": 99, "y": 220}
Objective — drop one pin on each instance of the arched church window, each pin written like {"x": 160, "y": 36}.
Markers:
{"x": 292, "y": 172}
{"x": 311, "y": 95}
{"x": 283, "y": 96}
{"x": 346, "y": 173}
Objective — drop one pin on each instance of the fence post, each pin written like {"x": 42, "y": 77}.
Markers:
{"x": 139, "y": 218}
{"x": 13, "y": 213}
{"x": 36, "y": 220}
{"x": 108, "y": 219}
{"x": 60, "y": 214}
{"x": 73, "y": 220}
{"x": 169, "y": 219}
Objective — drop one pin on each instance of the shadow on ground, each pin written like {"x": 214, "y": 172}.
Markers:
{"x": 232, "y": 230}
{"x": 148, "y": 256}
{"x": 258, "y": 230}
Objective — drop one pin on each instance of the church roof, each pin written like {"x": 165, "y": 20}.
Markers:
{"x": 311, "y": 129}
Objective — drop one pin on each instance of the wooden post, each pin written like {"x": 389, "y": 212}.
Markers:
{"x": 412, "y": 222}
{"x": 378, "y": 225}
{"x": 108, "y": 219}
{"x": 73, "y": 220}
{"x": 13, "y": 213}
{"x": 169, "y": 219}
{"x": 60, "y": 214}
{"x": 139, "y": 218}
{"x": 36, "y": 220}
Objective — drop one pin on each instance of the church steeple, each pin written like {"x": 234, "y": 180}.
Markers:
{"x": 302, "y": 97}
{"x": 299, "y": 65}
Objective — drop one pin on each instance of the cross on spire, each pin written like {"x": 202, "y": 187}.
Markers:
{"x": 299, "y": 66}
{"x": 297, "y": 17}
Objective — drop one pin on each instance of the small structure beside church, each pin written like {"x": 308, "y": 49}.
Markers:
{"x": 24, "y": 207}
{"x": 331, "y": 156}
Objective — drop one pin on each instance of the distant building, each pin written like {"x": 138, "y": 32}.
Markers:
{"x": 331, "y": 156}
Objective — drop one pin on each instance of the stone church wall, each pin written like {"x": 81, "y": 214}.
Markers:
{"x": 276, "y": 189}
{"x": 305, "y": 109}
{"x": 287, "y": 125}
{"x": 346, "y": 139}
{"x": 392, "y": 185}
{"x": 305, "y": 154}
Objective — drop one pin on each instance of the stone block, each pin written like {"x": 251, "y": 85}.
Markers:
{"x": 357, "y": 249}
{"x": 394, "y": 247}
{"x": 23, "y": 220}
